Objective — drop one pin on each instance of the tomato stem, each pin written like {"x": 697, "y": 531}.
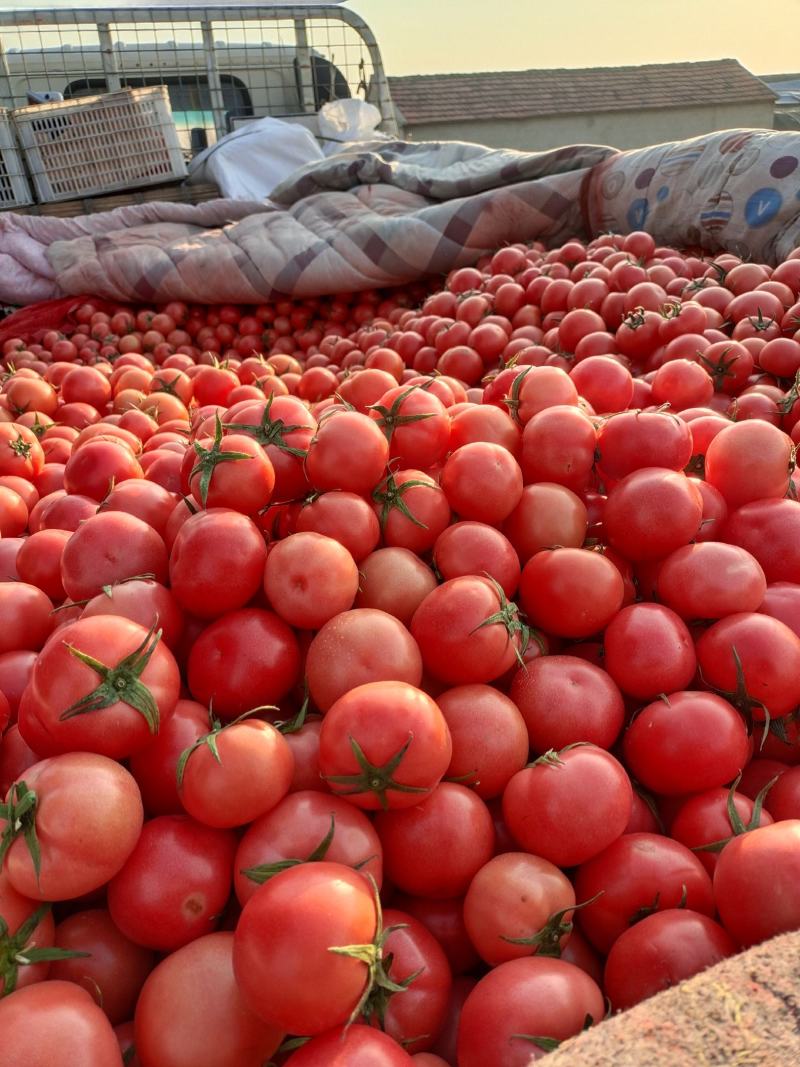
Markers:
{"x": 120, "y": 684}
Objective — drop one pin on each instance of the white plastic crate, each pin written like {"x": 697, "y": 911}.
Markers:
{"x": 100, "y": 144}
{"x": 14, "y": 188}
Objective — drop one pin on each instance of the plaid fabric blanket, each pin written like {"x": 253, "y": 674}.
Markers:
{"x": 385, "y": 213}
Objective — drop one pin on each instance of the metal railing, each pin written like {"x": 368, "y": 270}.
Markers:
{"x": 221, "y": 63}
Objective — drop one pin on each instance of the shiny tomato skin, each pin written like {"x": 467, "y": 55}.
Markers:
{"x": 649, "y": 650}
{"x": 107, "y": 548}
{"x": 174, "y": 884}
{"x": 565, "y": 699}
{"x": 711, "y": 580}
{"x": 451, "y": 822}
{"x": 513, "y": 896}
{"x": 244, "y": 659}
{"x": 570, "y": 592}
{"x": 359, "y": 646}
{"x": 687, "y": 743}
{"x": 638, "y": 871}
{"x": 297, "y": 827}
{"x": 249, "y": 774}
{"x": 351, "y": 1046}
{"x": 537, "y": 996}
{"x": 540, "y": 801}
{"x": 754, "y": 880}
{"x": 488, "y": 734}
{"x": 413, "y": 950}
{"x": 703, "y": 819}
{"x": 651, "y": 512}
{"x": 114, "y": 970}
{"x": 216, "y": 563}
{"x": 60, "y": 681}
{"x": 191, "y": 1011}
{"x": 384, "y": 720}
{"x": 88, "y": 820}
{"x": 154, "y": 767}
{"x": 318, "y": 906}
{"x": 455, "y": 646}
{"x": 56, "y": 1019}
{"x": 663, "y": 949}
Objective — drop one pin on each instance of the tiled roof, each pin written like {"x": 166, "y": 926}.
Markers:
{"x": 527, "y": 93}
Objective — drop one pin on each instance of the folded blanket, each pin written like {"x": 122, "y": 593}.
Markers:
{"x": 386, "y": 213}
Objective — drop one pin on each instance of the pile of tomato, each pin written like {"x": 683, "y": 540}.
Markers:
{"x": 401, "y": 678}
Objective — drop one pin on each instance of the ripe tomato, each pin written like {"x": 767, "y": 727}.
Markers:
{"x": 570, "y": 592}
{"x": 77, "y": 701}
{"x": 85, "y": 812}
{"x": 540, "y": 801}
{"x": 384, "y": 745}
{"x": 351, "y": 1046}
{"x": 467, "y": 631}
{"x": 686, "y": 743}
{"x": 518, "y": 1004}
{"x": 309, "y": 578}
{"x": 191, "y": 1011}
{"x": 56, "y": 1019}
{"x": 753, "y": 880}
{"x": 174, "y": 884}
{"x": 319, "y": 906}
{"x": 306, "y": 826}
{"x": 235, "y": 773}
{"x": 663, "y": 949}
{"x": 517, "y": 905}
{"x": 638, "y": 874}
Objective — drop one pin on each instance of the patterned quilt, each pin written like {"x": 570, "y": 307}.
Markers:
{"x": 386, "y": 213}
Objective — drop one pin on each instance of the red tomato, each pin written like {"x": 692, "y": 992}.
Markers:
{"x": 86, "y": 814}
{"x": 360, "y": 646}
{"x": 564, "y": 700}
{"x": 663, "y": 949}
{"x": 570, "y": 592}
{"x": 174, "y": 884}
{"x": 351, "y": 1046}
{"x": 319, "y": 906}
{"x": 517, "y": 905}
{"x": 56, "y": 1018}
{"x": 114, "y": 705}
{"x": 467, "y": 631}
{"x": 686, "y": 743}
{"x": 112, "y": 969}
{"x": 753, "y": 880}
{"x": 435, "y": 848}
{"x": 191, "y": 1011}
{"x": 540, "y": 802}
{"x": 384, "y": 745}
{"x": 638, "y": 874}
{"x": 519, "y": 1002}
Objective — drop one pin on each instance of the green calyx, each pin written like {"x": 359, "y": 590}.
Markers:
{"x": 210, "y": 739}
{"x": 507, "y": 616}
{"x": 372, "y": 778}
{"x": 19, "y": 811}
{"x": 20, "y": 447}
{"x": 120, "y": 684}
{"x": 651, "y": 909}
{"x": 547, "y": 940}
{"x": 269, "y": 431}
{"x": 15, "y": 951}
{"x": 379, "y": 988}
{"x": 389, "y": 418}
{"x": 550, "y": 1044}
{"x": 389, "y": 496}
{"x": 208, "y": 459}
{"x": 738, "y": 826}
{"x": 265, "y": 871}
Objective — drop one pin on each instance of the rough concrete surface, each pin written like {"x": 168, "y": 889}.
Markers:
{"x": 745, "y": 1012}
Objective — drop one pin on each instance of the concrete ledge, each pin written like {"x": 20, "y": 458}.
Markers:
{"x": 745, "y": 1012}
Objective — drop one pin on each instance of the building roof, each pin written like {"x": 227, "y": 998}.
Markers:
{"x": 528, "y": 93}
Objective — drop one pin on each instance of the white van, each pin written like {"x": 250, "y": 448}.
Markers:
{"x": 222, "y": 65}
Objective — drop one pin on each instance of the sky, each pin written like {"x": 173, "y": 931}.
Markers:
{"x": 445, "y": 36}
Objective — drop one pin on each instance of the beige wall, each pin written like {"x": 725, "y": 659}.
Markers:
{"x": 621, "y": 129}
